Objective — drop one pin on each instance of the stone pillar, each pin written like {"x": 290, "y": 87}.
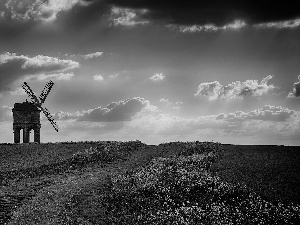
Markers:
{"x": 37, "y": 135}
{"x": 26, "y": 135}
{"x": 16, "y": 135}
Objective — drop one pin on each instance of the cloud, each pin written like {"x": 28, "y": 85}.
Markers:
{"x": 14, "y": 67}
{"x": 164, "y": 100}
{"x": 39, "y": 10}
{"x": 267, "y": 113}
{"x": 5, "y": 113}
{"x": 236, "y": 90}
{"x": 116, "y": 111}
{"x": 296, "y": 89}
{"x": 288, "y": 24}
{"x": 210, "y": 89}
{"x": 98, "y": 77}
{"x": 114, "y": 76}
{"x": 235, "y": 25}
{"x": 157, "y": 77}
{"x": 45, "y": 62}
{"x": 265, "y": 125}
{"x": 54, "y": 76}
{"x": 92, "y": 55}
{"x": 89, "y": 56}
{"x": 137, "y": 116}
{"x": 127, "y": 17}
{"x": 167, "y": 103}
{"x": 215, "y": 12}
{"x": 188, "y": 16}
{"x": 60, "y": 115}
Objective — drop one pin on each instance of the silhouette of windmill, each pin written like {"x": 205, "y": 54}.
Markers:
{"x": 26, "y": 115}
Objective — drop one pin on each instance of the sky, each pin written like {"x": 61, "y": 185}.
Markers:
{"x": 155, "y": 71}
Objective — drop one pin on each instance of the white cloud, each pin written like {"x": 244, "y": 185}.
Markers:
{"x": 40, "y": 10}
{"x": 66, "y": 115}
{"x": 167, "y": 103}
{"x": 267, "y": 113}
{"x": 14, "y": 67}
{"x": 46, "y": 62}
{"x": 270, "y": 123}
{"x": 235, "y": 25}
{"x": 113, "y": 76}
{"x": 236, "y": 90}
{"x": 54, "y": 76}
{"x": 127, "y": 17}
{"x": 98, "y": 77}
{"x": 288, "y": 24}
{"x": 157, "y": 77}
{"x": 210, "y": 89}
{"x": 92, "y": 55}
{"x": 165, "y": 100}
{"x": 39, "y": 62}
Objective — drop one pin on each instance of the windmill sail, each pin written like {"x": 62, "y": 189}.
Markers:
{"x": 46, "y": 91}
{"x": 49, "y": 117}
{"x": 42, "y": 98}
{"x": 31, "y": 94}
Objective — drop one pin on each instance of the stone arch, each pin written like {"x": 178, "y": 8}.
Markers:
{"x": 17, "y": 135}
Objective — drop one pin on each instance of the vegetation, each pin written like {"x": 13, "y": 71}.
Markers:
{"x": 180, "y": 190}
{"x": 22, "y": 156}
{"x": 270, "y": 171}
{"x": 28, "y": 170}
{"x": 196, "y": 184}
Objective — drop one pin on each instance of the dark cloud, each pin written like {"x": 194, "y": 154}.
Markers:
{"x": 116, "y": 111}
{"x": 18, "y": 16}
{"x": 82, "y": 16}
{"x": 120, "y": 111}
{"x": 14, "y": 67}
{"x": 296, "y": 89}
{"x": 267, "y": 113}
{"x": 217, "y": 12}
{"x": 76, "y": 15}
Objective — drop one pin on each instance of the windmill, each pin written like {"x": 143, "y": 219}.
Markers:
{"x": 26, "y": 115}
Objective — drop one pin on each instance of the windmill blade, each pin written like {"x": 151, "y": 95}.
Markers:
{"x": 49, "y": 117}
{"x": 46, "y": 91}
{"x": 31, "y": 94}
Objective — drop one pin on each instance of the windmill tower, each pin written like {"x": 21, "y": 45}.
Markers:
{"x": 26, "y": 115}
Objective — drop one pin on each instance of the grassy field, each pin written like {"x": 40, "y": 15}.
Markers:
{"x": 271, "y": 171}
{"x": 22, "y": 156}
{"x": 131, "y": 183}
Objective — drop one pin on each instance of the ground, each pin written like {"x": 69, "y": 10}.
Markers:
{"x": 40, "y": 187}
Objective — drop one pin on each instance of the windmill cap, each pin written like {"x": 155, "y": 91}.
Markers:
{"x": 25, "y": 106}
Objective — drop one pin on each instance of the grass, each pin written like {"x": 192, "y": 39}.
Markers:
{"x": 199, "y": 183}
{"x": 22, "y": 156}
{"x": 46, "y": 187}
{"x": 271, "y": 171}
{"x": 180, "y": 190}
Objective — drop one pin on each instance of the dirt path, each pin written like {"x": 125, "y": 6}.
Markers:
{"x": 72, "y": 198}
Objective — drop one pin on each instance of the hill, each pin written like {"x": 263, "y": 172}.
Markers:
{"x": 130, "y": 182}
